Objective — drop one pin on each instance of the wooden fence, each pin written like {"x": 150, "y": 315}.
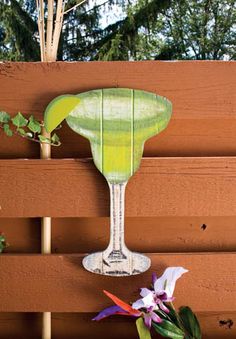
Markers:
{"x": 181, "y": 205}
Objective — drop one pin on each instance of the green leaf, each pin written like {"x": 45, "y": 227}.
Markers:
{"x": 168, "y": 330}
{"x": 190, "y": 322}
{"x": 4, "y": 117}
{"x": 143, "y": 331}
{"x": 44, "y": 139}
{"x": 1, "y": 247}
{"x": 55, "y": 139}
{"x": 34, "y": 126}
{"x": 2, "y": 243}
{"x": 19, "y": 120}
{"x": 7, "y": 130}
{"x": 21, "y": 131}
{"x": 169, "y": 316}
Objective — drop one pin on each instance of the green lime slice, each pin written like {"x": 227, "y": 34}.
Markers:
{"x": 58, "y": 110}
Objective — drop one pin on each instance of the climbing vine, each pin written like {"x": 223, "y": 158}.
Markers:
{"x": 29, "y": 128}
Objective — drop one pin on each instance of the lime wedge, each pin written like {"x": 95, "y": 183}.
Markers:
{"x": 58, "y": 110}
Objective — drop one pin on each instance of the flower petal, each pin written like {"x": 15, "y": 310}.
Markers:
{"x": 156, "y": 318}
{"x": 123, "y": 305}
{"x": 110, "y": 311}
{"x": 154, "y": 278}
{"x": 163, "y": 307}
{"x": 148, "y": 320}
{"x": 167, "y": 281}
{"x": 144, "y": 292}
{"x": 138, "y": 304}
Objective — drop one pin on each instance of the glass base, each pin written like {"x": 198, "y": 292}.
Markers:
{"x": 117, "y": 265}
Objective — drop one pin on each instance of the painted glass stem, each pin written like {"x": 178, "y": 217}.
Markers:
{"x": 116, "y": 248}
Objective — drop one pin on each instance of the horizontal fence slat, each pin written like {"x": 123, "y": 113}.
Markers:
{"x": 197, "y": 89}
{"x": 79, "y": 325}
{"x": 162, "y": 187}
{"x": 58, "y": 283}
{"x": 162, "y": 234}
{"x": 152, "y": 234}
{"x": 203, "y": 96}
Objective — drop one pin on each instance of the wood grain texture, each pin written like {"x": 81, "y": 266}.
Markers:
{"x": 58, "y": 283}
{"x": 162, "y": 234}
{"x": 79, "y": 325}
{"x": 23, "y": 234}
{"x": 198, "y": 192}
{"x": 203, "y": 96}
{"x": 162, "y": 187}
{"x": 150, "y": 235}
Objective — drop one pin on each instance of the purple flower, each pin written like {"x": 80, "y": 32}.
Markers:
{"x": 162, "y": 292}
{"x": 151, "y": 301}
{"x": 121, "y": 307}
{"x": 151, "y": 316}
{"x": 110, "y": 311}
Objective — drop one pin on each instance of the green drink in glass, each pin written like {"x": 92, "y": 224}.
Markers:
{"x": 117, "y": 122}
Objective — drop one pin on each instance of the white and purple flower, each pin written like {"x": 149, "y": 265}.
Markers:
{"x": 163, "y": 289}
{"x": 152, "y": 299}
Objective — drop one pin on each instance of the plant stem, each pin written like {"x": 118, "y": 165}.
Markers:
{"x": 74, "y": 7}
{"x": 49, "y": 30}
{"x": 180, "y": 322}
{"x": 33, "y": 139}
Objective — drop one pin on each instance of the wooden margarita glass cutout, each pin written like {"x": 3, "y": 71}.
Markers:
{"x": 117, "y": 122}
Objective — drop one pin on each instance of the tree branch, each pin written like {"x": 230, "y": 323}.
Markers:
{"x": 74, "y": 7}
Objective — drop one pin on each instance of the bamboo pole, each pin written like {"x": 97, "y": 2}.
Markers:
{"x": 41, "y": 28}
{"x": 49, "y": 53}
{"x": 46, "y": 239}
{"x": 46, "y": 329}
{"x": 45, "y": 149}
{"x": 49, "y": 30}
{"x": 57, "y": 27}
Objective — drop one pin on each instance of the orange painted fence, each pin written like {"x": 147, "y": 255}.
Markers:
{"x": 181, "y": 204}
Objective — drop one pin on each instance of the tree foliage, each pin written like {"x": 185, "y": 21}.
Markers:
{"x": 146, "y": 29}
{"x": 202, "y": 29}
{"x": 18, "y": 29}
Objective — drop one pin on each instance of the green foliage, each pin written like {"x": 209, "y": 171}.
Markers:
{"x": 168, "y": 329}
{"x": 144, "y": 29}
{"x": 201, "y": 29}
{"x": 4, "y": 117}
{"x": 138, "y": 22}
{"x": 34, "y": 125}
{"x": 182, "y": 324}
{"x": 3, "y": 243}
{"x": 19, "y": 120}
{"x": 27, "y": 128}
{"x": 190, "y": 322}
{"x": 143, "y": 331}
{"x": 55, "y": 139}
{"x": 7, "y": 130}
{"x": 18, "y": 28}
{"x": 44, "y": 139}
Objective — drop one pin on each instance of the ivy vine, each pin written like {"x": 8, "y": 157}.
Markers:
{"x": 3, "y": 243}
{"x": 27, "y": 128}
